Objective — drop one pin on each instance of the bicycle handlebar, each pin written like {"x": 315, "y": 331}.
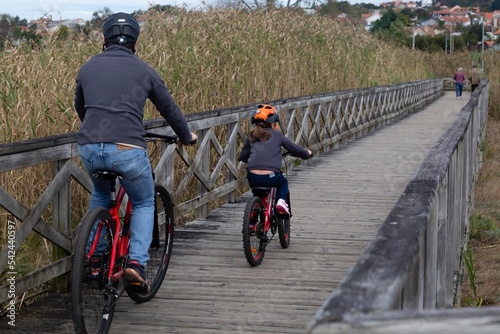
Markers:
{"x": 169, "y": 139}
{"x": 287, "y": 154}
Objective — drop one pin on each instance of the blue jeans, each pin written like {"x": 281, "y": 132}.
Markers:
{"x": 133, "y": 165}
{"x": 459, "y": 88}
{"x": 272, "y": 180}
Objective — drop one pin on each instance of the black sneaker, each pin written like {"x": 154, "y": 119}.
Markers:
{"x": 135, "y": 272}
{"x": 136, "y": 276}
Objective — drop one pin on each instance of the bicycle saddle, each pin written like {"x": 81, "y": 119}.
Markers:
{"x": 259, "y": 191}
{"x": 106, "y": 174}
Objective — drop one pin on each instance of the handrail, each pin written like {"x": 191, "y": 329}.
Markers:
{"x": 196, "y": 177}
{"x": 418, "y": 251}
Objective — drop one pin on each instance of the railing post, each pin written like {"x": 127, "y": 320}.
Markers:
{"x": 205, "y": 169}
{"x": 61, "y": 211}
{"x": 446, "y": 257}
{"x": 231, "y": 156}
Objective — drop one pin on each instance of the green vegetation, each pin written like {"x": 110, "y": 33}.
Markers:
{"x": 471, "y": 271}
{"x": 484, "y": 229}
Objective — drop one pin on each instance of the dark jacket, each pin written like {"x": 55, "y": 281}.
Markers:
{"x": 474, "y": 76}
{"x": 267, "y": 155}
{"x": 111, "y": 92}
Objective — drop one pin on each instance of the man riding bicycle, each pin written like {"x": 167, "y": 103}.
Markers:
{"x": 111, "y": 92}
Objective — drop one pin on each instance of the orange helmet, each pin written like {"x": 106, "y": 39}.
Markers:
{"x": 265, "y": 113}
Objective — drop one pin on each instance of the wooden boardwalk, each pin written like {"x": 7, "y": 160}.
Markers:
{"x": 338, "y": 202}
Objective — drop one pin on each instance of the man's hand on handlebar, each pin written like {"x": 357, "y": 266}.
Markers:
{"x": 194, "y": 140}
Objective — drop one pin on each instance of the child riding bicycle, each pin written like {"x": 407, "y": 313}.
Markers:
{"x": 262, "y": 153}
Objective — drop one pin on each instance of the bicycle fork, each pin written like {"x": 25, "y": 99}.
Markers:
{"x": 268, "y": 200}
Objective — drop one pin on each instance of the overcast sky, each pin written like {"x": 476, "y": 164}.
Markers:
{"x": 83, "y": 9}
{"x": 73, "y": 9}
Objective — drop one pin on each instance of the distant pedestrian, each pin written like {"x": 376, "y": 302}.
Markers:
{"x": 459, "y": 82}
{"x": 474, "y": 77}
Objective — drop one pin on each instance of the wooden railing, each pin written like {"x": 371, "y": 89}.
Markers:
{"x": 195, "y": 177}
{"x": 415, "y": 264}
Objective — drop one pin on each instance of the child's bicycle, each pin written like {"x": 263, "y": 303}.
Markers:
{"x": 98, "y": 267}
{"x": 261, "y": 217}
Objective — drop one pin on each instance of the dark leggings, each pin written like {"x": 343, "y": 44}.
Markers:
{"x": 271, "y": 180}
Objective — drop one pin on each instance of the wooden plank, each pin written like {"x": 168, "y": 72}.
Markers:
{"x": 36, "y": 157}
{"x": 36, "y": 144}
{"x": 484, "y": 320}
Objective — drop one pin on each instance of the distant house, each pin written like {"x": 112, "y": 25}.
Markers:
{"x": 426, "y": 3}
{"x": 427, "y": 31}
{"x": 488, "y": 45}
{"x": 411, "y": 4}
{"x": 454, "y": 20}
{"x": 429, "y": 22}
{"x": 369, "y": 19}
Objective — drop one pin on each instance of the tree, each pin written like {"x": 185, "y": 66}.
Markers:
{"x": 495, "y": 5}
{"x": 6, "y": 24}
{"x": 62, "y": 33}
{"x": 98, "y": 17}
{"x": 27, "y": 36}
{"x": 388, "y": 19}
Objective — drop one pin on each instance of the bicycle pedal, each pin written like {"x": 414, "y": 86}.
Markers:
{"x": 141, "y": 287}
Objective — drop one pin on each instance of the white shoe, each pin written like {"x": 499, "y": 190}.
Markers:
{"x": 282, "y": 207}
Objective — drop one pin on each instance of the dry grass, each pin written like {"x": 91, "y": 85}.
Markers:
{"x": 485, "y": 226}
{"x": 487, "y": 266}
{"x": 212, "y": 60}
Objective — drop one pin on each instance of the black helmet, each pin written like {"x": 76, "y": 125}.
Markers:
{"x": 121, "y": 28}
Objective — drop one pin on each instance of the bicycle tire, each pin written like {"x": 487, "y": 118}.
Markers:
{"x": 160, "y": 253}
{"x": 92, "y": 307}
{"x": 284, "y": 231}
{"x": 253, "y": 224}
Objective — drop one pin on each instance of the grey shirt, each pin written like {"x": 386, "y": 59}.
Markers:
{"x": 266, "y": 155}
{"x": 111, "y": 92}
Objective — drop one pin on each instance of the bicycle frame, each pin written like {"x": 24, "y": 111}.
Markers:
{"x": 259, "y": 218}
{"x": 268, "y": 199}
{"x": 122, "y": 235}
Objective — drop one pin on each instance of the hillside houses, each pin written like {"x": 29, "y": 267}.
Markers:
{"x": 445, "y": 20}
{"x": 46, "y": 26}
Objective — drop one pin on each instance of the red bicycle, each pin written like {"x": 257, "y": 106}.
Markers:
{"x": 101, "y": 254}
{"x": 259, "y": 219}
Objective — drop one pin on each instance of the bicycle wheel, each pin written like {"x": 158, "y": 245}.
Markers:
{"x": 253, "y": 231}
{"x": 92, "y": 306}
{"x": 284, "y": 231}
{"x": 161, "y": 246}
